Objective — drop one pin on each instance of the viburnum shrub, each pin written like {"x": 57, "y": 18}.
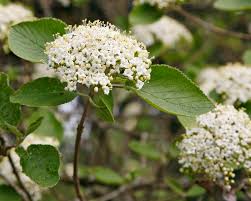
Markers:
{"x": 84, "y": 70}
{"x": 89, "y": 61}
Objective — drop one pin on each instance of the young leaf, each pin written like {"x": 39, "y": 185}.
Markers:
{"x": 8, "y": 194}
{"x": 146, "y": 150}
{"x": 9, "y": 112}
{"x": 144, "y": 14}
{"x": 34, "y": 125}
{"x": 169, "y": 90}
{"x": 233, "y": 5}
{"x": 50, "y": 126}
{"x": 40, "y": 163}
{"x": 13, "y": 129}
{"x": 195, "y": 191}
{"x": 27, "y": 39}
{"x": 42, "y": 92}
{"x": 104, "y": 109}
{"x": 107, "y": 176}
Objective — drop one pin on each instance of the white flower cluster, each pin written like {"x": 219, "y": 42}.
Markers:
{"x": 7, "y": 172}
{"x": 159, "y": 3}
{"x": 10, "y": 14}
{"x": 167, "y": 30}
{"x": 93, "y": 54}
{"x": 232, "y": 81}
{"x": 218, "y": 146}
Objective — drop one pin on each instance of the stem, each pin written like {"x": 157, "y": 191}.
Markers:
{"x": 80, "y": 129}
{"x": 211, "y": 27}
{"x": 15, "y": 187}
{"x": 22, "y": 186}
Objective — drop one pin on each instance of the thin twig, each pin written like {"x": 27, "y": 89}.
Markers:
{"x": 211, "y": 27}
{"x": 22, "y": 186}
{"x": 123, "y": 189}
{"x": 80, "y": 129}
{"x": 17, "y": 188}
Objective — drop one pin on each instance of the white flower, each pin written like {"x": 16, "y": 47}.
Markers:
{"x": 159, "y": 3}
{"x": 6, "y": 170}
{"x": 167, "y": 30}
{"x": 232, "y": 81}
{"x": 218, "y": 145}
{"x": 93, "y": 54}
{"x": 207, "y": 79}
{"x": 11, "y": 14}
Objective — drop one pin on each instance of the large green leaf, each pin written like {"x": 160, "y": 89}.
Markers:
{"x": 42, "y": 92}
{"x": 27, "y": 39}
{"x": 50, "y": 126}
{"x": 40, "y": 163}
{"x": 9, "y": 112}
{"x": 146, "y": 150}
{"x": 107, "y": 176}
{"x": 8, "y": 194}
{"x": 169, "y": 90}
{"x": 233, "y": 4}
{"x": 104, "y": 106}
{"x": 144, "y": 14}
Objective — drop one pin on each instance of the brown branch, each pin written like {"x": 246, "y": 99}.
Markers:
{"x": 80, "y": 129}
{"x": 123, "y": 189}
{"x": 22, "y": 186}
{"x": 211, "y": 27}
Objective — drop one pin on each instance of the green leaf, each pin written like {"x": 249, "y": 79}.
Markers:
{"x": 13, "y": 129}
{"x": 42, "y": 92}
{"x": 27, "y": 39}
{"x": 50, "y": 126}
{"x": 145, "y": 150}
{"x": 195, "y": 191}
{"x": 107, "y": 176}
{"x": 9, "y": 112}
{"x": 34, "y": 125}
{"x": 3, "y": 2}
{"x": 233, "y": 5}
{"x": 144, "y": 14}
{"x": 174, "y": 186}
{"x": 104, "y": 106}
{"x": 8, "y": 194}
{"x": 169, "y": 90}
{"x": 247, "y": 57}
{"x": 187, "y": 122}
{"x": 247, "y": 107}
{"x": 40, "y": 163}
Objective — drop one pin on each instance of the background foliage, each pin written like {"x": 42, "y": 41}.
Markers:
{"x": 128, "y": 150}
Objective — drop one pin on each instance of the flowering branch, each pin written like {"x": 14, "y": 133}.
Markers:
{"x": 22, "y": 186}
{"x": 211, "y": 27}
{"x": 80, "y": 129}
